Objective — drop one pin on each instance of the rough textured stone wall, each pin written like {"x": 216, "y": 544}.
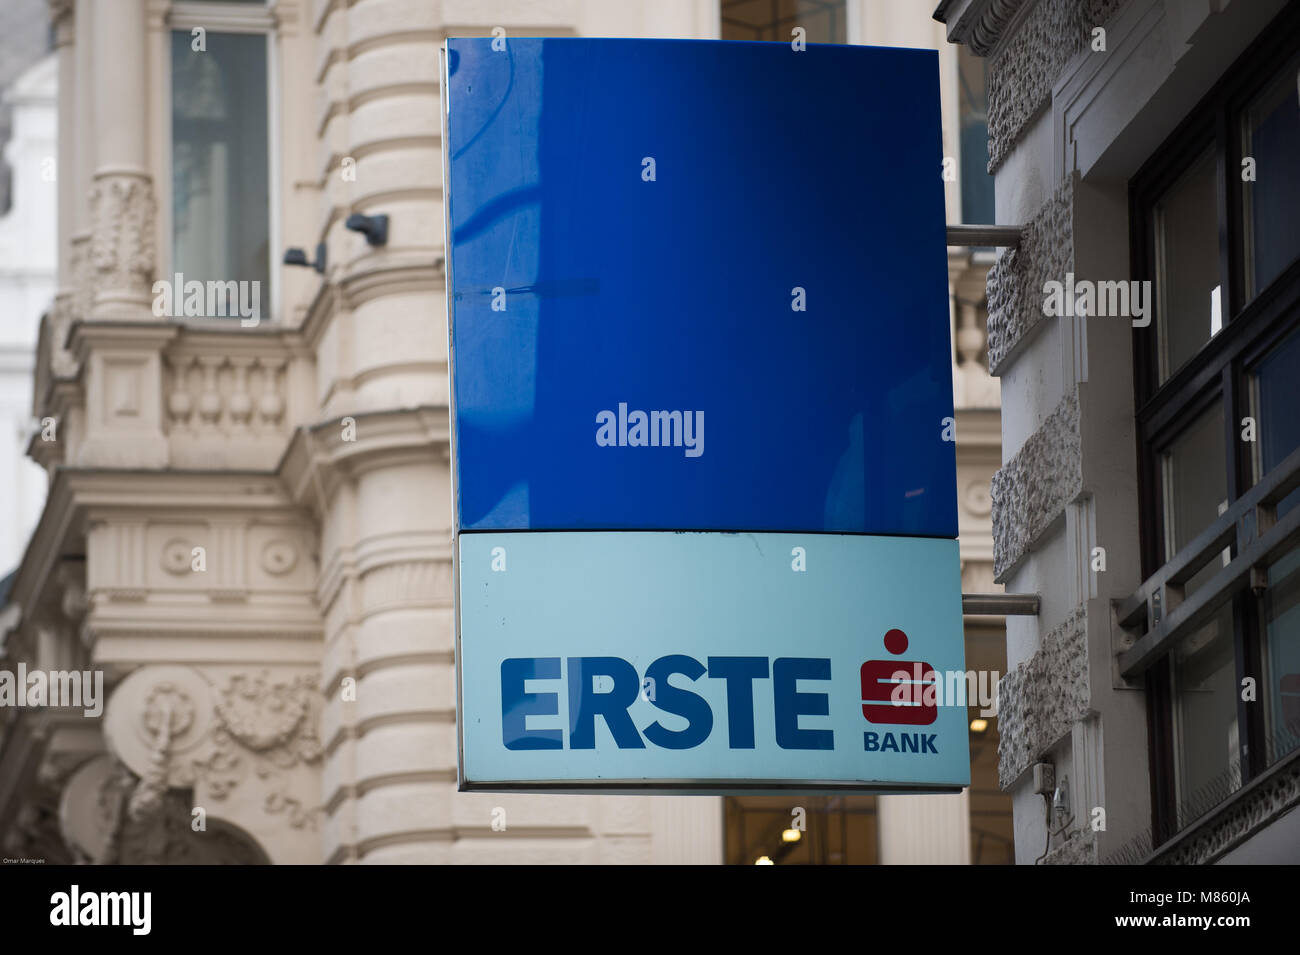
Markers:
{"x": 1079, "y": 849}
{"x": 1032, "y": 489}
{"x": 1020, "y": 82}
{"x": 1015, "y": 283}
{"x": 1042, "y": 698}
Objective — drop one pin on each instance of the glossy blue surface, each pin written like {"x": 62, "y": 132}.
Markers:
{"x": 774, "y": 169}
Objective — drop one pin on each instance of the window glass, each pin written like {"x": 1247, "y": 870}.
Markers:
{"x": 1271, "y": 204}
{"x": 1281, "y": 616}
{"x": 825, "y": 21}
{"x": 220, "y": 175}
{"x": 1195, "y": 487}
{"x": 1279, "y": 434}
{"x": 1277, "y": 411}
{"x": 1207, "y": 761}
{"x": 801, "y": 830}
{"x": 977, "y": 205}
{"x": 1189, "y": 310}
{"x": 1243, "y": 142}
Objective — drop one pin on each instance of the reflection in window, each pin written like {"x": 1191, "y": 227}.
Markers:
{"x": 802, "y": 830}
{"x": 220, "y": 170}
{"x": 1275, "y": 403}
{"x": 826, "y": 21}
{"x": 1207, "y": 750}
{"x": 1195, "y": 487}
{"x": 1207, "y": 764}
{"x": 1271, "y": 204}
{"x": 977, "y": 207}
{"x": 1209, "y": 261}
{"x": 1281, "y": 616}
{"x": 1187, "y": 265}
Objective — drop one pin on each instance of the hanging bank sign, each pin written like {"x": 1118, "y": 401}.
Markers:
{"x": 703, "y": 475}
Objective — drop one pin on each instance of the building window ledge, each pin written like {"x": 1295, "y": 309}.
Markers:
{"x": 1226, "y": 826}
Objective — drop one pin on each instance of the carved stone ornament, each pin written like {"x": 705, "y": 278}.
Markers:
{"x": 83, "y": 285}
{"x": 279, "y": 557}
{"x": 168, "y": 708}
{"x": 90, "y": 807}
{"x": 177, "y": 556}
{"x": 265, "y": 715}
{"x": 122, "y": 243}
{"x": 59, "y": 319}
{"x": 977, "y": 498}
{"x": 175, "y": 729}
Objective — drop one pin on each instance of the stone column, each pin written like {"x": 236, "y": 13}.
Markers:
{"x": 388, "y": 672}
{"x": 389, "y": 722}
{"x": 81, "y": 154}
{"x": 121, "y": 365}
{"x": 925, "y": 830}
{"x": 61, "y": 15}
{"x": 122, "y": 200}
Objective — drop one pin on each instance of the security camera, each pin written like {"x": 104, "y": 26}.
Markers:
{"x": 374, "y": 228}
{"x": 297, "y": 256}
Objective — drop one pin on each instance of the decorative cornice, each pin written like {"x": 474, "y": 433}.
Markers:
{"x": 1031, "y": 59}
{"x": 372, "y": 276}
{"x": 977, "y": 428}
{"x": 979, "y": 24}
{"x": 77, "y": 494}
{"x": 229, "y": 338}
{"x": 287, "y": 16}
{"x": 85, "y": 335}
{"x": 320, "y": 456}
{"x": 407, "y": 584}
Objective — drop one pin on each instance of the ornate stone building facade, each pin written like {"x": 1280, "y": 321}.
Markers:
{"x": 248, "y": 521}
{"x": 1146, "y": 141}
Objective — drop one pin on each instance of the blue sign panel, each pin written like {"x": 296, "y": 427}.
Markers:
{"x": 697, "y": 286}
{"x": 711, "y": 662}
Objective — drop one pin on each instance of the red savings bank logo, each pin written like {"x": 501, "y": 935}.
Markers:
{"x": 899, "y": 692}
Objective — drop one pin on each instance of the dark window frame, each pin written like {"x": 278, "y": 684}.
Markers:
{"x": 1219, "y": 371}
